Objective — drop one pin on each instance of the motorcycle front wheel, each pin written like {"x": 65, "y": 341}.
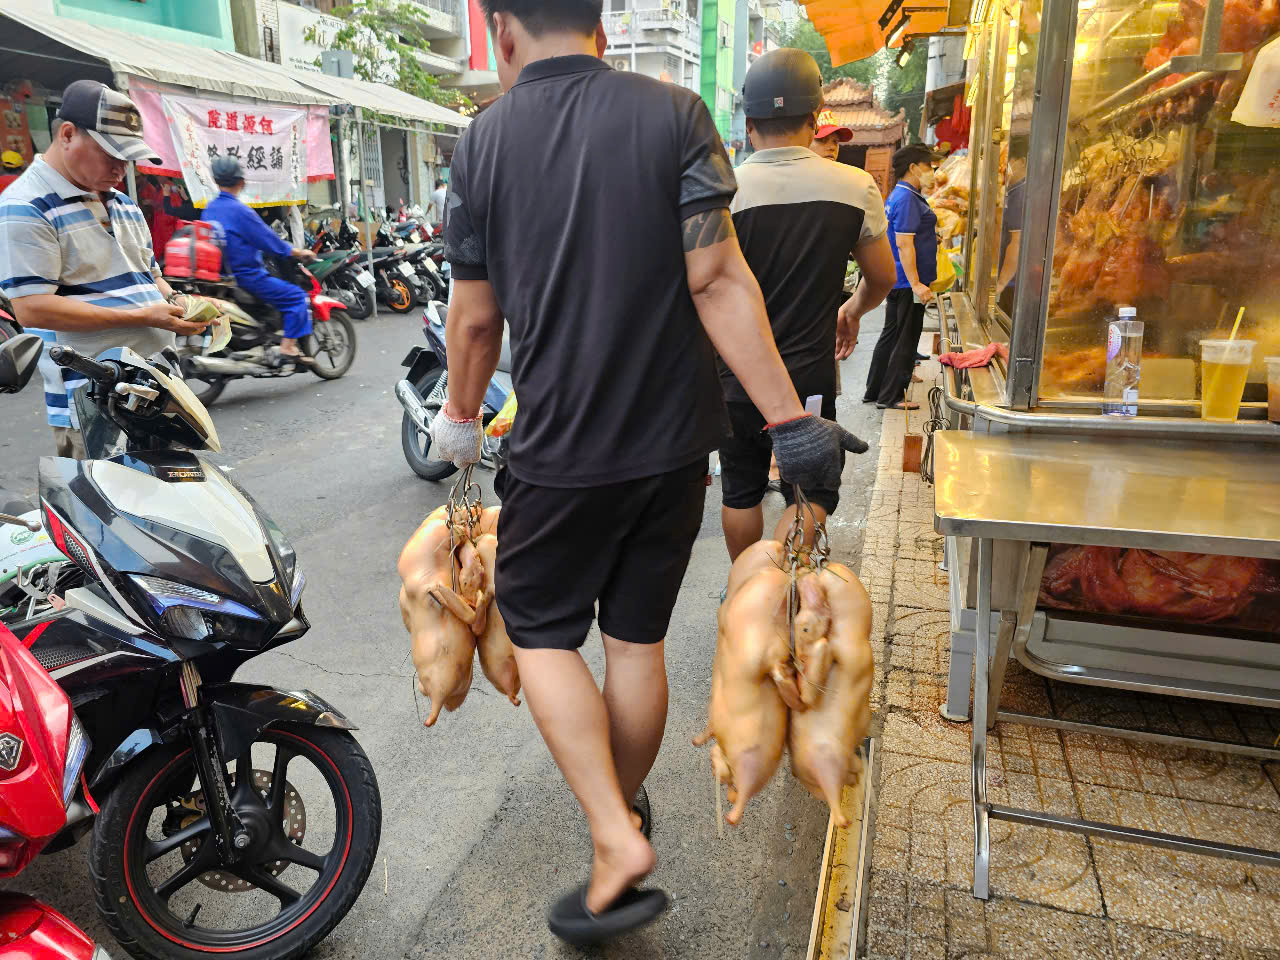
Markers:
{"x": 310, "y": 801}
{"x": 332, "y": 344}
{"x": 359, "y": 301}
{"x": 416, "y": 443}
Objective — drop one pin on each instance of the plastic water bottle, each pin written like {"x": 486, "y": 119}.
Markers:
{"x": 1124, "y": 364}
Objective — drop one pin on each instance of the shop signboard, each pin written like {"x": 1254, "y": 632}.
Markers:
{"x": 269, "y": 141}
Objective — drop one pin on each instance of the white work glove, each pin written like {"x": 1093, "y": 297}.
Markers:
{"x": 458, "y": 441}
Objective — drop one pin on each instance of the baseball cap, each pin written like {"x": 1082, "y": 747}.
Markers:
{"x": 11, "y": 159}
{"x": 107, "y": 115}
{"x": 827, "y": 126}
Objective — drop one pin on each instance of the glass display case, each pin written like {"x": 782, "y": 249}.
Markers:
{"x": 1115, "y": 164}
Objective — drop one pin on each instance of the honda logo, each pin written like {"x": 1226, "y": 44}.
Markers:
{"x": 10, "y": 752}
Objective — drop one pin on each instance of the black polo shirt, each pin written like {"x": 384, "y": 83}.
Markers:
{"x": 567, "y": 195}
{"x": 799, "y": 218}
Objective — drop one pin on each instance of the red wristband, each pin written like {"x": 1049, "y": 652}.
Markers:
{"x": 445, "y": 411}
{"x": 770, "y": 426}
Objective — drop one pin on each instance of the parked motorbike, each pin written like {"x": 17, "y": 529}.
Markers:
{"x": 423, "y": 391}
{"x": 332, "y": 343}
{"x": 231, "y": 819}
{"x": 42, "y": 751}
{"x": 343, "y": 275}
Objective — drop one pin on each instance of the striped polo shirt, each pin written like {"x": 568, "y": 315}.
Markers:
{"x": 56, "y": 238}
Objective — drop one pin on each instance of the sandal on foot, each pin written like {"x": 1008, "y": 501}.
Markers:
{"x": 571, "y": 921}
{"x": 641, "y": 806}
{"x": 900, "y": 405}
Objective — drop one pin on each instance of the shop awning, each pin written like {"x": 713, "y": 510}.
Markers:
{"x": 857, "y": 29}
{"x": 41, "y": 44}
{"x": 380, "y": 98}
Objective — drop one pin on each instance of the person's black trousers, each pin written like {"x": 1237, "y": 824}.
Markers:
{"x": 894, "y": 357}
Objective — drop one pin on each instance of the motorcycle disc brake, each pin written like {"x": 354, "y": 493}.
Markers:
{"x": 295, "y": 828}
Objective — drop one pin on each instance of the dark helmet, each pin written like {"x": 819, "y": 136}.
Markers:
{"x": 783, "y": 83}
{"x": 226, "y": 171}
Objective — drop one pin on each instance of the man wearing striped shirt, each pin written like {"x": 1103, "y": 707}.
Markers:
{"x": 75, "y": 253}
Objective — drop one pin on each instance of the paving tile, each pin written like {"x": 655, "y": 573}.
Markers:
{"x": 919, "y": 583}
{"x": 1199, "y": 895}
{"x": 1144, "y": 943}
{"x": 1021, "y": 931}
{"x": 932, "y": 804}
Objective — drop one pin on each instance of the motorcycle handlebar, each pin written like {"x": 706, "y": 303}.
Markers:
{"x": 100, "y": 372}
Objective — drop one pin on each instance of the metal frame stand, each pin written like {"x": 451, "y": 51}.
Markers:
{"x": 988, "y": 681}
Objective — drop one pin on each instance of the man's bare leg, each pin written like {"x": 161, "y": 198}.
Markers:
{"x": 789, "y": 517}
{"x": 742, "y": 528}
{"x": 570, "y": 713}
{"x": 635, "y": 695}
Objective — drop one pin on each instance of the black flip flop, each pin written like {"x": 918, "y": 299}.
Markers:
{"x": 641, "y": 806}
{"x": 571, "y": 921}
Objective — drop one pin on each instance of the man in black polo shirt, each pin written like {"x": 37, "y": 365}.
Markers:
{"x": 799, "y": 218}
{"x": 590, "y": 208}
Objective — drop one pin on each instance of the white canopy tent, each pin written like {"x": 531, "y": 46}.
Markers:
{"x": 49, "y": 38}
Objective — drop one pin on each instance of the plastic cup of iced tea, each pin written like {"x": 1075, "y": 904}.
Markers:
{"x": 1224, "y": 368}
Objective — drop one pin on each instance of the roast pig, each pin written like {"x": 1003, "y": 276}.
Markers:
{"x": 824, "y": 739}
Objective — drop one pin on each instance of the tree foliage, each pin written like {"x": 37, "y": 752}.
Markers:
{"x": 892, "y": 85}
{"x": 386, "y": 38}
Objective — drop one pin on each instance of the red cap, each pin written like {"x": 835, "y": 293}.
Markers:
{"x": 827, "y": 126}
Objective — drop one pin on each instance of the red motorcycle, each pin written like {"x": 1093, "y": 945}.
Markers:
{"x": 42, "y": 748}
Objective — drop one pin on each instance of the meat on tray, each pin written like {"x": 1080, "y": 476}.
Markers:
{"x": 1193, "y": 587}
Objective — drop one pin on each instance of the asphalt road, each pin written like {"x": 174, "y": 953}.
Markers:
{"x": 479, "y": 830}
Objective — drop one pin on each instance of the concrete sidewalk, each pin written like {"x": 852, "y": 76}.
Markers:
{"x": 1055, "y": 895}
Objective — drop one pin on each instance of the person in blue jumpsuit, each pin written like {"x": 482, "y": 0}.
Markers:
{"x": 245, "y": 239}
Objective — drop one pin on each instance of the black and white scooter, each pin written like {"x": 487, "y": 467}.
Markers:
{"x": 231, "y": 818}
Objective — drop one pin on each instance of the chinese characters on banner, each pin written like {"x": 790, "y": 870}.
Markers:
{"x": 269, "y": 142}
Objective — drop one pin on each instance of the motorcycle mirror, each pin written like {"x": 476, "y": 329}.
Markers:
{"x": 19, "y": 357}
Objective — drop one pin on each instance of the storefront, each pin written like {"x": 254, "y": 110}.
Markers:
{"x": 1122, "y": 155}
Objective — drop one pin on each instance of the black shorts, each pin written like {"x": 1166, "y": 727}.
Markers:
{"x": 745, "y": 456}
{"x": 626, "y": 545}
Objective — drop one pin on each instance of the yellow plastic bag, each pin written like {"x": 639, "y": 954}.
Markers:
{"x": 946, "y": 272}
{"x": 501, "y": 424}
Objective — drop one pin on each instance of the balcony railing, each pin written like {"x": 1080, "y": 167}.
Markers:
{"x": 445, "y": 14}
{"x": 628, "y": 25}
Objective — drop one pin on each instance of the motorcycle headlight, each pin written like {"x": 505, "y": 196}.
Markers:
{"x": 77, "y": 751}
{"x": 193, "y": 613}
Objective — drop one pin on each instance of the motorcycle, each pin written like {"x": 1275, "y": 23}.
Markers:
{"x": 332, "y": 343}
{"x": 42, "y": 751}
{"x": 342, "y": 274}
{"x": 423, "y": 391}
{"x": 226, "y": 817}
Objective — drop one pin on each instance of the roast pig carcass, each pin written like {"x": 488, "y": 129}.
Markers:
{"x": 437, "y": 618}
{"x": 497, "y": 656}
{"x": 752, "y": 679}
{"x": 824, "y": 739}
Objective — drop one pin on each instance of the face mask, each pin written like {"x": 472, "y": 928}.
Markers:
{"x": 926, "y": 181}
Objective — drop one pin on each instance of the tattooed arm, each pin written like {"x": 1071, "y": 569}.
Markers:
{"x": 732, "y": 312}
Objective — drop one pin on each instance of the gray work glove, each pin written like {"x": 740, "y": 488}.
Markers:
{"x": 808, "y": 451}
{"x": 457, "y": 441}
